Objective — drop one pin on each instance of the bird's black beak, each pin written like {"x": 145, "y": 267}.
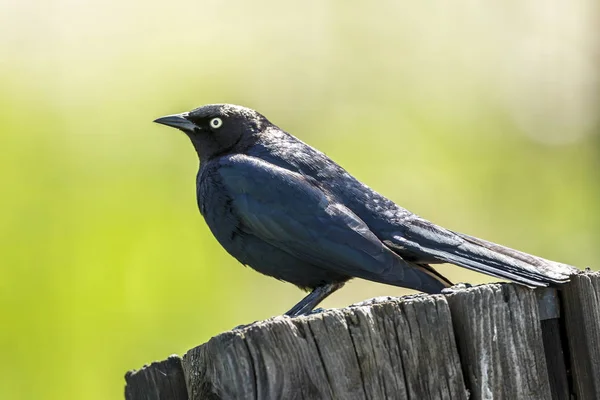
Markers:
{"x": 177, "y": 121}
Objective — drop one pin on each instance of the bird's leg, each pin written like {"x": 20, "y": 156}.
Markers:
{"x": 308, "y": 303}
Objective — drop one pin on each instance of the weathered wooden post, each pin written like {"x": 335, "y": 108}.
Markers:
{"x": 582, "y": 320}
{"x": 498, "y": 341}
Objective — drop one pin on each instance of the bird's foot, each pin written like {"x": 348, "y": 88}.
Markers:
{"x": 308, "y": 303}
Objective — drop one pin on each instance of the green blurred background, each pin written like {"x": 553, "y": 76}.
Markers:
{"x": 482, "y": 117}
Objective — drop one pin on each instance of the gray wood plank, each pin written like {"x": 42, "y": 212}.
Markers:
{"x": 581, "y": 300}
{"x": 393, "y": 349}
{"x": 555, "y": 359}
{"x": 552, "y": 334}
{"x": 162, "y": 380}
{"x": 500, "y": 342}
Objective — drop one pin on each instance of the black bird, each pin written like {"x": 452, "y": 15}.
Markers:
{"x": 288, "y": 211}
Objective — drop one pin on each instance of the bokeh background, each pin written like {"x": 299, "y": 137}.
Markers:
{"x": 480, "y": 116}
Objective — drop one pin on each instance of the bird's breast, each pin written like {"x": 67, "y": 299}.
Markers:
{"x": 215, "y": 205}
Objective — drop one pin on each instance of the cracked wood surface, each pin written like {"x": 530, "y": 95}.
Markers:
{"x": 498, "y": 341}
{"x": 581, "y": 300}
{"x": 157, "y": 381}
{"x": 401, "y": 348}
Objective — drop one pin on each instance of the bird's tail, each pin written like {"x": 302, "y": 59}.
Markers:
{"x": 503, "y": 262}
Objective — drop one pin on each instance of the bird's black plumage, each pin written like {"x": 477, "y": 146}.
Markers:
{"x": 288, "y": 211}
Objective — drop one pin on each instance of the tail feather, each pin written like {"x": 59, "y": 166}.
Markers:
{"x": 428, "y": 243}
{"x": 545, "y": 271}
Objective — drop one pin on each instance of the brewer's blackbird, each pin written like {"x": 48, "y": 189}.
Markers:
{"x": 288, "y": 211}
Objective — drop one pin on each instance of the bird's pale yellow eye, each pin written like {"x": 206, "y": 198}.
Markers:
{"x": 216, "y": 123}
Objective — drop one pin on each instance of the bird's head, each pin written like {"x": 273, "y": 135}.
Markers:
{"x": 218, "y": 129}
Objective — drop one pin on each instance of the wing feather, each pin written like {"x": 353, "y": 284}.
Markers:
{"x": 291, "y": 212}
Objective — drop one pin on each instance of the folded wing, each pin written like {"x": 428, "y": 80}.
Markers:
{"x": 294, "y": 214}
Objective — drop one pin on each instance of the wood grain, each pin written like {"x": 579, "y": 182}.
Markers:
{"x": 398, "y": 349}
{"x": 497, "y": 341}
{"x": 500, "y": 342}
{"x": 581, "y": 298}
{"x": 158, "y": 381}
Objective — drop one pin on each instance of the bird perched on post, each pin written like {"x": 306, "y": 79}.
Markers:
{"x": 285, "y": 209}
